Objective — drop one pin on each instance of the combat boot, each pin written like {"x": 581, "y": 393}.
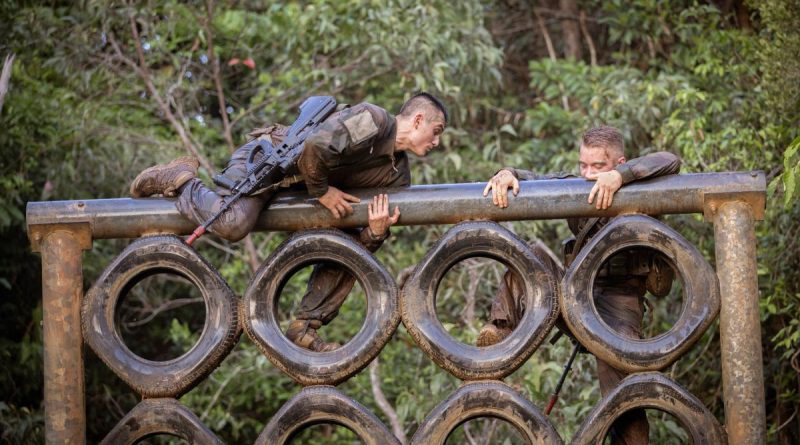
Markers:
{"x": 491, "y": 335}
{"x": 305, "y": 336}
{"x": 164, "y": 179}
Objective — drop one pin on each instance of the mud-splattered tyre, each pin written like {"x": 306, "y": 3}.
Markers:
{"x": 261, "y": 299}
{"x": 701, "y": 298}
{"x": 324, "y": 404}
{"x": 656, "y": 391}
{"x": 486, "y": 399}
{"x": 160, "y": 416}
{"x": 418, "y": 302}
{"x": 142, "y": 258}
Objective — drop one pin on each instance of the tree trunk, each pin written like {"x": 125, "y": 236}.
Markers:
{"x": 5, "y": 78}
{"x": 743, "y": 15}
{"x": 572, "y": 33}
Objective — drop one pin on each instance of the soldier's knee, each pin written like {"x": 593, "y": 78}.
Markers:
{"x": 230, "y": 233}
{"x": 237, "y": 222}
{"x": 233, "y": 229}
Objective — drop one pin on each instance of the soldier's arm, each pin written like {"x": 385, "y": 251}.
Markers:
{"x": 350, "y": 132}
{"x": 319, "y": 153}
{"x": 649, "y": 166}
{"x": 652, "y": 165}
{"x": 380, "y": 220}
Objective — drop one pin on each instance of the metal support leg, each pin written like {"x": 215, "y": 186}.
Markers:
{"x": 62, "y": 291}
{"x": 740, "y": 327}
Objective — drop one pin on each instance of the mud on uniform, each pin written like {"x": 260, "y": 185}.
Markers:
{"x": 619, "y": 288}
{"x": 353, "y": 148}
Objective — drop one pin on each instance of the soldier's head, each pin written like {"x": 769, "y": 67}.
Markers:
{"x": 602, "y": 149}
{"x": 420, "y": 123}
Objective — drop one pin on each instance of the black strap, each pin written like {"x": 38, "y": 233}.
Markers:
{"x": 579, "y": 240}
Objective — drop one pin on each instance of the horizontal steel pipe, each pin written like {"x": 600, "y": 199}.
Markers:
{"x": 423, "y": 204}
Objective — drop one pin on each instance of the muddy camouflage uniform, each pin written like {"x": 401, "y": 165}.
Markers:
{"x": 353, "y": 148}
{"x": 619, "y": 288}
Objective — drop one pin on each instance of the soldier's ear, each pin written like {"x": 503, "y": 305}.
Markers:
{"x": 418, "y": 118}
{"x": 621, "y": 160}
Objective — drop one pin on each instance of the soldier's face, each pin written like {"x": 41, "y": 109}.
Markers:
{"x": 425, "y": 133}
{"x": 595, "y": 160}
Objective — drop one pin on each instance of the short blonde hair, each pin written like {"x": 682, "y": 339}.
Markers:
{"x": 605, "y": 136}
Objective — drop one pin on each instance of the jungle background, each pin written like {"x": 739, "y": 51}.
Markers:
{"x": 97, "y": 91}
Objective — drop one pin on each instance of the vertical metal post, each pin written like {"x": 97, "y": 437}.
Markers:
{"x": 740, "y": 328}
{"x": 62, "y": 292}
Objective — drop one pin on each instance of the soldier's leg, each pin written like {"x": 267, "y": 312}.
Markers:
{"x": 621, "y": 307}
{"x": 505, "y": 311}
{"x": 164, "y": 179}
{"x": 508, "y": 306}
{"x": 198, "y": 202}
{"x": 327, "y": 290}
{"x": 504, "y": 315}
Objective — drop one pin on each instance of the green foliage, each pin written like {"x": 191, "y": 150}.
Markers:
{"x": 791, "y": 171}
{"x": 780, "y": 57}
{"x": 20, "y": 425}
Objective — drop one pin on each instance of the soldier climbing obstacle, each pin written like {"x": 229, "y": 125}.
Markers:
{"x": 357, "y": 147}
{"x": 624, "y": 278}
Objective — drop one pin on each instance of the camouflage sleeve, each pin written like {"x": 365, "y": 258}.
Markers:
{"x": 527, "y": 175}
{"x": 650, "y": 166}
{"x": 371, "y": 242}
{"x": 348, "y": 133}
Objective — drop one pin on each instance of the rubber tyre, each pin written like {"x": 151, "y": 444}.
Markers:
{"x": 261, "y": 299}
{"x": 701, "y": 300}
{"x": 170, "y": 378}
{"x": 418, "y": 302}
{"x": 324, "y": 404}
{"x": 651, "y": 390}
{"x": 486, "y": 399}
{"x": 160, "y": 416}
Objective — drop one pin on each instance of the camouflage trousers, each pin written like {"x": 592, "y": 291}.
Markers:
{"x": 328, "y": 286}
{"x": 620, "y": 303}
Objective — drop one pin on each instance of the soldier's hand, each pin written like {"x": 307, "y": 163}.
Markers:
{"x": 607, "y": 184}
{"x": 499, "y": 186}
{"x": 338, "y": 202}
{"x": 379, "y": 218}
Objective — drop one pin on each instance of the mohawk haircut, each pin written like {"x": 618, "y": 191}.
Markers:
{"x": 423, "y": 101}
{"x": 605, "y": 136}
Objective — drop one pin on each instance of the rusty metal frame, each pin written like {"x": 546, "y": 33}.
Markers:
{"x": 61, "y": 230}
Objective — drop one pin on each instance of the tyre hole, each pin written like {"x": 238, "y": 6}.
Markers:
{"x": 465, "y": 294}
{"x": 486, "y": 430}
{"x": 664, "y": 428}
{"x": 325, "y": 433}
{"x": 635, "y": 271}
{"x": 298, "y": 300}
{"x": 160, "y": 315}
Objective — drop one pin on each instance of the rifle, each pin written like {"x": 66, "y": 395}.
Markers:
{"x": 266, "y": 173}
